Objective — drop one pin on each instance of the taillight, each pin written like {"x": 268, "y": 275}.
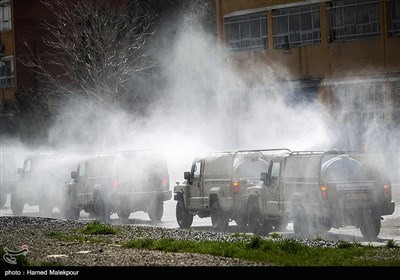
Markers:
{"x": 115, "y": 183}
{"x": 165, "y": 182}
{"x": 323, "y": 193}
{"x": 386, "y": 190}
{"x": 235, "y": 186}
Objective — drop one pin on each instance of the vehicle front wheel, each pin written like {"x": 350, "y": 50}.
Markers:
{"x": 183, "y": 217}
{"x": 219, "y": 217}
{"x": 3, "y": 199}
{"x": 17, "y": 205}
{"x": 257, "y": 222}
{"x": 45, "y": 207}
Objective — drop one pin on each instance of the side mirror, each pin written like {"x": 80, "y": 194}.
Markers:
{"x": 264, "y": 177}
{"x": 19, "y": 171}
{"x": 74, "y": 175}
{"x": 187, "y": 176}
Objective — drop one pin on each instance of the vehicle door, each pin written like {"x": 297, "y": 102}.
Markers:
{"x": 7, "y": 170}
{"x": 79, "y": 189}
{"x": 195, "y": 186}
{"x": 27, "y": 180}
{"x": 273, "y": 186}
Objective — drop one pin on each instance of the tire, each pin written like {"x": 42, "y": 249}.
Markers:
{"x": 219, "y": 218}
{"x": 257, "y": 222}
{"x": 3, "y": 199}
{"x": 183, "y": 217}
{"x": 45, "y": 207}
{"x": 370, "y": 225}
{"x": 102, "y": 210}
{"x": 242, "y": 222}
{"x": 321, "y": 227}
{"x": 301, "y": 224}
{"x": 280, "y": 224}
{"x": 157, "y": 211}
{"x": 68, "y": 211}
{"x": 17, "y": 205}
{"x": 123, "y": 216}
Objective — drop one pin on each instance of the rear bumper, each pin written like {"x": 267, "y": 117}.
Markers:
{"x": 144, "y": 197}
{"x": 388, "y": 209}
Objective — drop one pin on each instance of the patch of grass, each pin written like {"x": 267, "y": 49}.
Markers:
{"x": 97, "y": 227}
{"x": 276, "y": 235}
{"x": 279, "y": 252}
{"x": 391, "y": 244}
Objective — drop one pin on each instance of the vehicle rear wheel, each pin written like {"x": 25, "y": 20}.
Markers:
{"x": 301, "y": 225}
{"x": 17, "y": 205}
{"x": 242, "y": 222}
{"x": 183, "y": 217}
{"x": 370, "y": 225}
{"x": 3, "y": 199}
{"x": 322, "y": 226}
{"x": 219, "y": 218}
{"x": 280, "y": 224}
{"x": 123, "y": 216}
{"x": 102, "y": 210}
{"x": 257, "y": 222}
{"x": 67, "y": 209}
{"x": 156, "y": 211}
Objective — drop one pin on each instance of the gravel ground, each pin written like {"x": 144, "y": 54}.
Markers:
{"x": 39, "y": 235}
{"x": 44, "y": 249}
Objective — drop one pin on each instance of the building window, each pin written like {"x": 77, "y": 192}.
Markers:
{"x": 353, "y": 19}
{"x": 296, "y": 26}
{"x": 6, "y": 72}
{"x": 247, "y": 32}
{"x": 5, "y": 16}
{"x": 393, "y": 11}
{"x": 360, "y": 105}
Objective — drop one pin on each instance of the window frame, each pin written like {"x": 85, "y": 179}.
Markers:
{"x": 246, "y": 42}
{"x": 7, "y": 73}
{"x": 339, "y": 23}
{"x": 393, "y": 17}
{"x": 360, "y": 105}
{"x": 287, "y": 38}
{"x": 5, "y": 18}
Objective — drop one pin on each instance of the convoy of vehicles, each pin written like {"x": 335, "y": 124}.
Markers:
{"x": 261, "y": 190}
{"x": 121, "y": 182}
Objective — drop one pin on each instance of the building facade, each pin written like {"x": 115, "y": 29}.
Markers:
{"x": 344, "y": 53}
{"x": 21, "y": 38}
{"x": 7, "y": 62}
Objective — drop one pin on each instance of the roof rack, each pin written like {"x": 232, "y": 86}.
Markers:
{"x": 221, "y": 153}
{"x": 263, "y": 150}
{"x": 328, "y": 152}
{"x": 298, "y": 153}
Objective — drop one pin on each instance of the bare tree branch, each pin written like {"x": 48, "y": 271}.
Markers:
{"x": 95, "y": 49}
